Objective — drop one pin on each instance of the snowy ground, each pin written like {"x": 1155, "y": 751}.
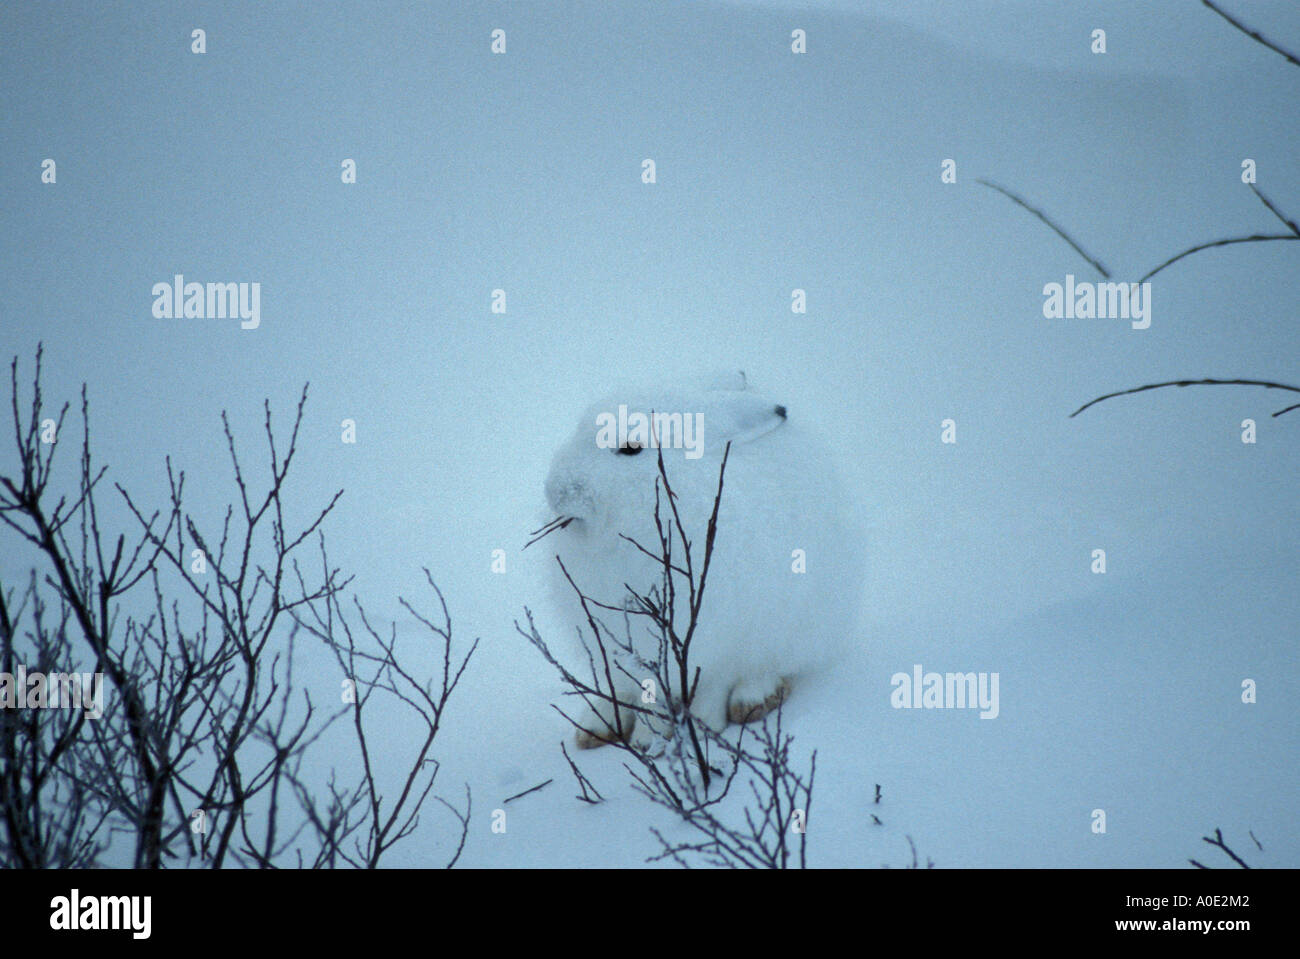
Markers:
{"x": 1119, "y": 692}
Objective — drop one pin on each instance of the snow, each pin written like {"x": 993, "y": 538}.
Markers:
{"x": 1119, "y": 691}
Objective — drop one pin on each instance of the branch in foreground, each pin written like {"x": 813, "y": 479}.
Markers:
{"x": 1229, "y": 241}
{"x": 1286, "y": 221}
{"x": 369, "y": 659}
{"x": 1253, "y": 34}
{"x": 203, "y": 721}
{"x": 1020, "y": 201}
{"x": 531, "y": 789}
{"x": 590, "y": 794}
{"x": 778, "y": 810}
{"x": 672, "y": 767}
{"x": 611, "y": 658}
{"x": 1207, "y": 382}
{"x": 1218, "y": 842}
{"x": 916, "y": 862}
{"x": 195, "y": 737}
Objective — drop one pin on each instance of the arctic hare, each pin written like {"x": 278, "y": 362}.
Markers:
{"x": 787, "y": 567}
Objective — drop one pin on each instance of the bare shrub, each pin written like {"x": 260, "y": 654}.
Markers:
{"x": 682, "y": 764}
{"x": 203, "y": 733}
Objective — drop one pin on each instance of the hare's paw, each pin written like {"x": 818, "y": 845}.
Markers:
{"x": 750, "y": 701}
{"x": 710, "y": 705}
{"x": 597, "y": 730}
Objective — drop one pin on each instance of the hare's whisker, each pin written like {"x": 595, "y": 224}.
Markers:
{"x": 558, "y": 523}
{"x": 547, "y": 527}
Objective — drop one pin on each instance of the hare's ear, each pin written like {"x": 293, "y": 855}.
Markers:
{"x": 739, "y": 418}
{"x": 733, "y": 381}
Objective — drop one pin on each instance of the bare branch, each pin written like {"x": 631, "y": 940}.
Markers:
{"x": 1253, "y": 238}
{"x": 1021, "y": 202}
{"x": 1253, "y": 34}
{"x": 532, "y": 789}
{"x": 1218, "y": 842}
{"x": 1205, "y": 382}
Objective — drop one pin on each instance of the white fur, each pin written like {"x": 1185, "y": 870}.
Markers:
{"x": 761, "y": 622}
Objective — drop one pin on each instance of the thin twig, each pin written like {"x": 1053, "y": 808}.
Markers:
{"x": 1218, "y": 841}
{"x": 1020, "y": 201}
{"x": 1206, "y": 382}
{"x": 1253, "y": 238}
{"x": 1253, "y": 34}
{"x": 527, "y": 791}
{"x": 1289, "y": 223}
{"x": 585, "y": 784}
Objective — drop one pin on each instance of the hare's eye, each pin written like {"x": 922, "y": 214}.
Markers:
{"x": 629, "y": 449}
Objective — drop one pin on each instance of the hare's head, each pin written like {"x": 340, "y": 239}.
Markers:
{"x": 603, "y": 480}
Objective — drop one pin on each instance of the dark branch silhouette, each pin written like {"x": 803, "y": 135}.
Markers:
{"x": 1253, "y": 238}
{"x": 590, "y": 794}
{"x": 674, "y": 769}
{"x": 1019, "y": 201}
{"x": 196, "y": 736}
{"x": 531, "y": 789}
{"x": 1205, "y": 382}
{"x": 1218, "y": 843}
{"x": 1287, "y": 222}
{"x": 1253, "y": 34}
{"x": 762, "y": 836}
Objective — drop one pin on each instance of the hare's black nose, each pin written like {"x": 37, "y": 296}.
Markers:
{"x": 780, "y": 411}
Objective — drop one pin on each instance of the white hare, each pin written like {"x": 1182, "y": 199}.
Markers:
{"x": 784, "y": 583}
